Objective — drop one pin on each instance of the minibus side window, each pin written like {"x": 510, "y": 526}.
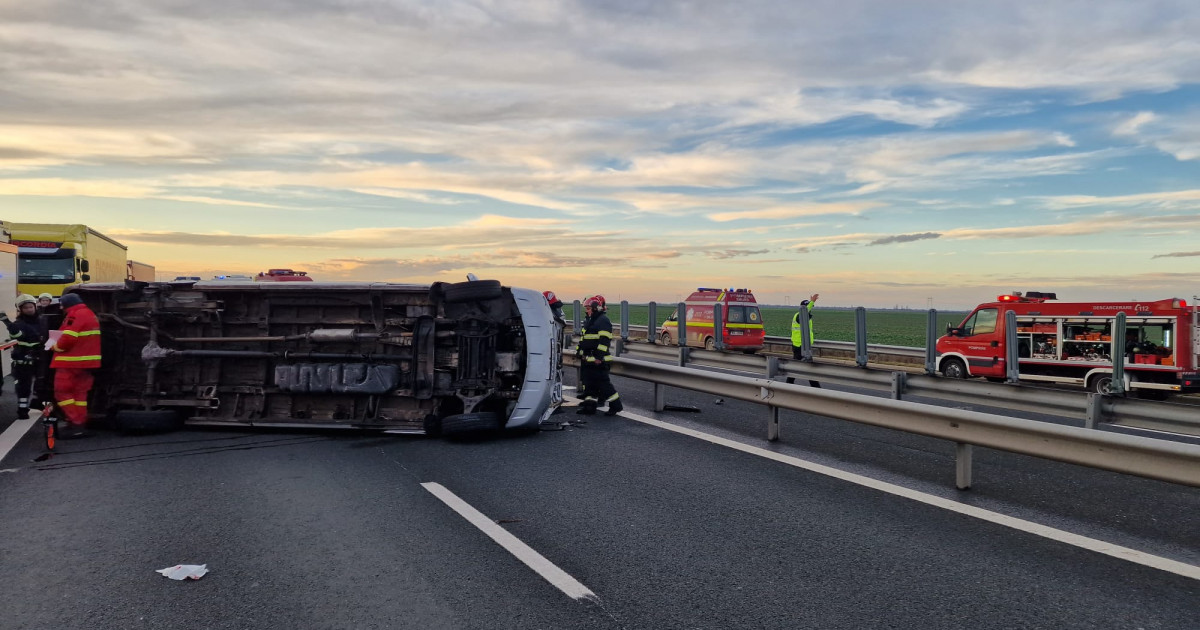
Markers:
{"x": 737, "y": 314}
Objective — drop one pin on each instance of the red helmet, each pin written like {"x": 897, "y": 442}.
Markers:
{"x": 596, "y": 302}
{"x": 551, "y": 299}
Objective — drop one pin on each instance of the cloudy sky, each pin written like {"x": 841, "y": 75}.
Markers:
{"x": 880, "y": 152}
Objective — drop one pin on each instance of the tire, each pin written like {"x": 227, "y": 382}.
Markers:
{"x": 954, "y": 368}
{"x": 476, "y": 291}
{"x": 470, "y": 425}
{"x": 433, "y": 426}
{"x": 710, "y": 343}
{"x": 142, "y": 421}
{"x": 665, "y": 339}
{"x": 1101, "y": 384}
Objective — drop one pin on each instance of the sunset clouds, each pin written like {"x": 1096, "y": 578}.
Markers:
{"x": 863, "y": 148}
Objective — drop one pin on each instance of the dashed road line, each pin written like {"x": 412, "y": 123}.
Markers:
{"x": 14, "y": 432}
{"x": 534, "y": 560}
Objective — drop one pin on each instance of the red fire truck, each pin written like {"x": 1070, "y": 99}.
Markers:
{"x": 1073, "y": 343}
{"x": 282, "y": 275}
{"x": 739, "y": 316}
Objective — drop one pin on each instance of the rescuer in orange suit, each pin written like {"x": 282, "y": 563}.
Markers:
{"x": 76, "y": 355}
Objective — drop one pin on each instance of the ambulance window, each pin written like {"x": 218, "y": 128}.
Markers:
{"x": 981, "y": 323}
{"x": 752, "y": 315}
{"x": 674, "y": 316}
{"x": 737, "y": 314}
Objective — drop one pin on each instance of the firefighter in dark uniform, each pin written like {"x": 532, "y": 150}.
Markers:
{"x": 595, "y": 360}
{"x": 29, "y": 334}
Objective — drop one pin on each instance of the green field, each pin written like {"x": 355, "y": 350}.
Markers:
{"x": 888, "y": 327}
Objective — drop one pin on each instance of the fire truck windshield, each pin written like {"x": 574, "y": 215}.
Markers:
{"x": 982, "y": 322}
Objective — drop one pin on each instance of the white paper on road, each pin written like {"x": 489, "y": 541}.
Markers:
{"x": 55, "y": 335}
{"x": 184, "y": 571}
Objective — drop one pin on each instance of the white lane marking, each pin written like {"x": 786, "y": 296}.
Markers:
{"x": 13, "y": 433}
{"x": 1092, "y": 544}
{"x": 534, "y": 560}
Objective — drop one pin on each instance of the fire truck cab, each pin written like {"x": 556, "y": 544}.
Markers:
{"x": 1073, "y": 343}
{"x": 740, "y": 318}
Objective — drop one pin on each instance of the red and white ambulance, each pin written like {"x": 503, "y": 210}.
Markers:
{"x": 739, "y": 315}
{"x": 1072, "y": 342}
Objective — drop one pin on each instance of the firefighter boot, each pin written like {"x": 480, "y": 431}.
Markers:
{"x": 22, "y": 413}
{"x": 614, "y": 407}
{"x": 587, "y": 407}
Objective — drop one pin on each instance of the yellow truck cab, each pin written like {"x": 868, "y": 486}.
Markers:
{"x": 52, "y": 256}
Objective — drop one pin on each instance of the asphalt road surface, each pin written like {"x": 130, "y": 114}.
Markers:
{"x": 664, "y": 529}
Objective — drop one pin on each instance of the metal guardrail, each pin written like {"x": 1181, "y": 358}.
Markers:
{"x": 821, "y": 347}
{"x": 1135, "y": 455}
{"x": 1092, "y": 408}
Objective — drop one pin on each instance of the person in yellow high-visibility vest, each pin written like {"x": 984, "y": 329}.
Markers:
{"x": 798, "y": 333}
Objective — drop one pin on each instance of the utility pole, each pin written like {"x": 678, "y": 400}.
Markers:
{"x": 787, "y": 300}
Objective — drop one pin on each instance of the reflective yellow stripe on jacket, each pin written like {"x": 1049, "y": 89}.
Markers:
{"x": 85, "y": 333}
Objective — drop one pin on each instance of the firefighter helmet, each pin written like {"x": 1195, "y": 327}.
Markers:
{"x": 25, "y": 298}
{"x": 551, "y": 299}
{"x": 596, "y": 302}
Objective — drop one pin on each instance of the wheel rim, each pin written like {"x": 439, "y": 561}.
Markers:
{"x": 1104, "y": 385}
{"x": 954, "y": 369}
{"x": 709, "y": 344}
{"x": 666, "y": 339}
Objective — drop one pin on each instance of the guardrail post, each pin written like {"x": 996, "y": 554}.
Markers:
{"x": 651, "y": 326}
{"x": 806, "y": 342}
{"x": 625, "y": 320}
{"x": 899, "y": 381}
{"x": 683, "y": 356}
{"x": 931, "y": 337}
{"x": 772, "y": 367}
{"x": 860, "y": 336}
{"x": 1095, "y": 411}
{"x": 962, "y": 456}
{"x": 681, "y": 329}
{"x": 660, "y": 397}
{"x": 718, "y": 327}
{"x": 576, "y": 325}
{"x": 1117, "y": 352}
{"x": 618, "y": 347}
{"x": 1012, "y": 358}
{"x": 764, "y": 395}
